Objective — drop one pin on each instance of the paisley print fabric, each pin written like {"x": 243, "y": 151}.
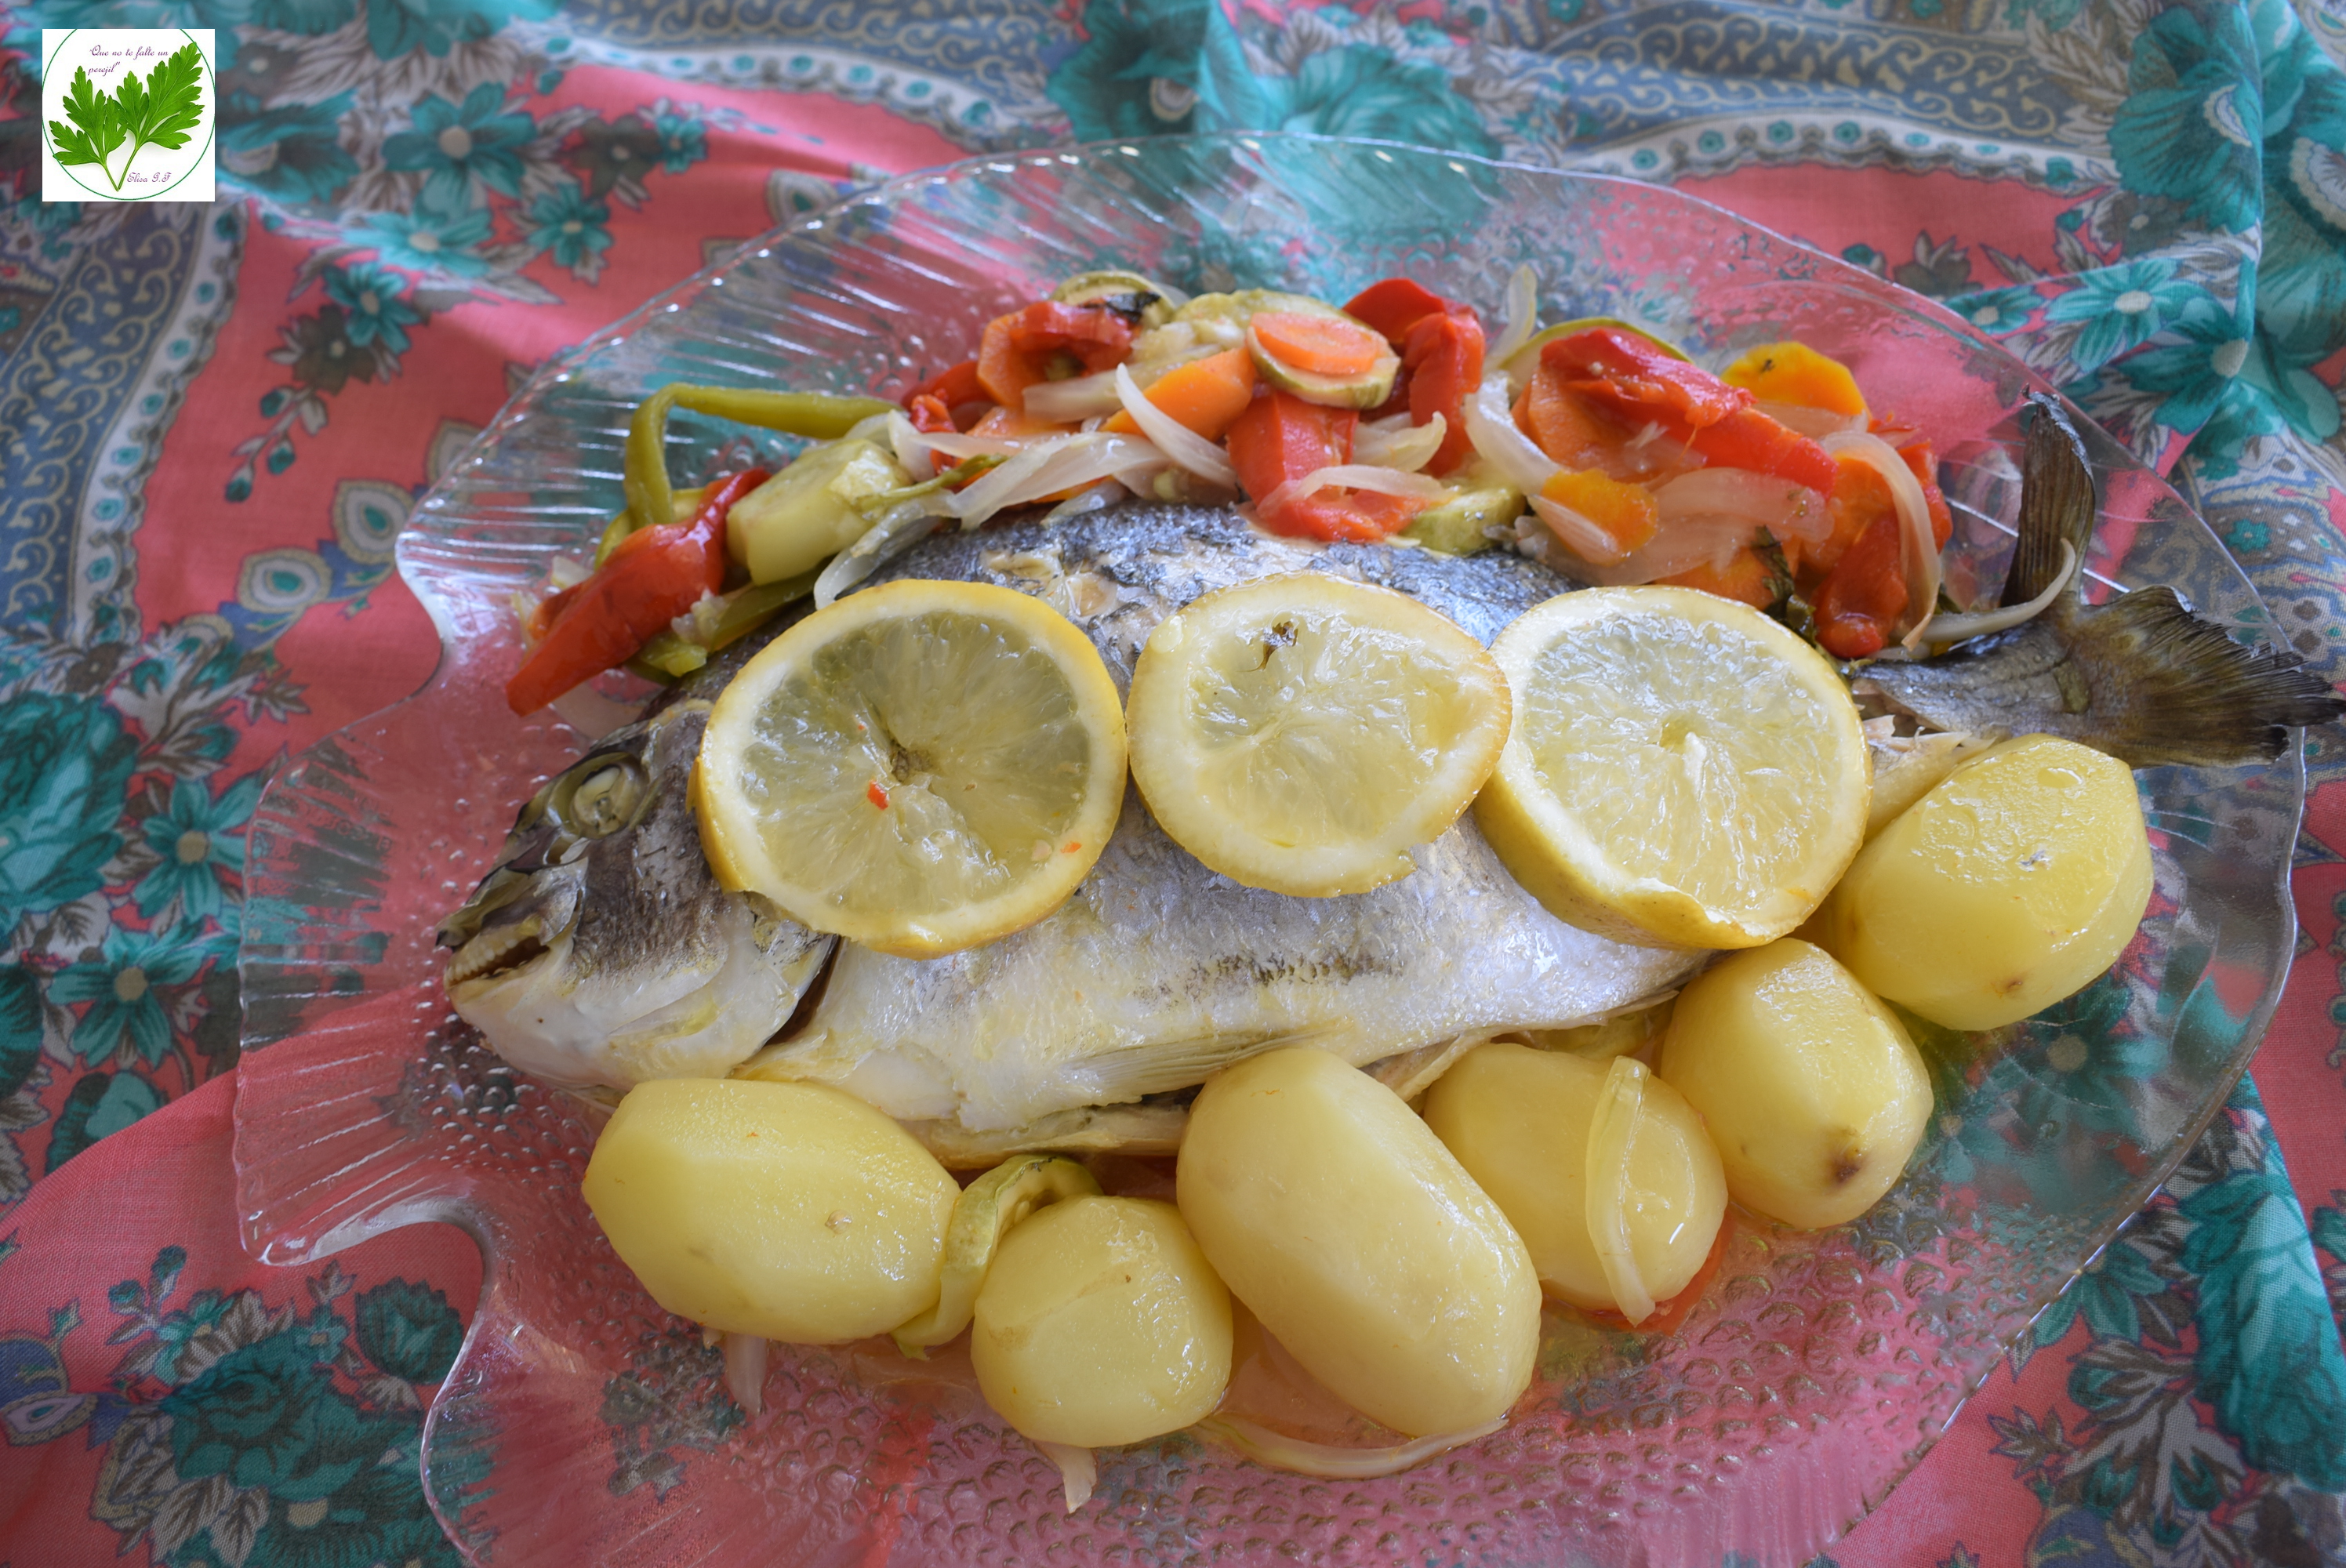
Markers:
{"x": 213, "y": 421}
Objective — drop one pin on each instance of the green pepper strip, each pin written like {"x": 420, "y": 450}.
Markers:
{"x": 684, "y": 504}
{"x": 818, "y": 416}
{"x": 669, "y": 656}
{"x": 968, "y": 468}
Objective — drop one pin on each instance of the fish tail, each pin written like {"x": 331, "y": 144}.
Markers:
{"x": 2197, "y": 698}
{"x": 2057, "y": 503}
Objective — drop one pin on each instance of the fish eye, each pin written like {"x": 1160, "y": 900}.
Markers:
{"x": 604, "y": 801}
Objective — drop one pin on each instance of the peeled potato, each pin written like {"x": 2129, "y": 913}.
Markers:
{"x": 2014, "y": 882}
{"x": 1340, "y": 1220}
{"x": 1519, "y": 1121}
{"x": 790, "y": 1211}
{"x": 1812, "y": 1090}
{"x": 1100, "y": 1322}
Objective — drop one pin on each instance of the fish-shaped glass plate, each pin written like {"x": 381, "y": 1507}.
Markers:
{"x": 584, "y": 1424}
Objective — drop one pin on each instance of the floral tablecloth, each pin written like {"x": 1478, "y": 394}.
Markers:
{"x": 214, "y": 420}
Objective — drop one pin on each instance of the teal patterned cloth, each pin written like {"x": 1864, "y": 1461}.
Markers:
{"x": 214, "y": 420}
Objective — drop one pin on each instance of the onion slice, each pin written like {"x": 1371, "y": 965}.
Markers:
{"x": 1520, "y": 319}
{"x": 1079, "y": 1469}
{"x": 1788, "y": 511}
{"x": 1816, "y": 423}
{"x": 1408, "y": 448}
{"x": 1066, "y": 463}
{"x": 895, "y": 531}
{"x": 1353, "y": 476}
{"x": 1948, "y": 630}
{"x": 1491, "y": 426}
{"x": 1080, "y": 397}
{"x": 1091, "y": 498}
{"x": 956, "y": 445}
{"x": 915, "y": 455}
{"x": 1330, "y": 1460}
{"x": 1184, "y": 446}
{"x": 1691, "y": 542}
{"x": 1586, "y": 539}
{"x": 1918, "y": 552}
{"x": 745, "y": 1372}
{"x": 1611, "y": 1134}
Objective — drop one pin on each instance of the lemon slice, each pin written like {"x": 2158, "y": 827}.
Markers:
{"x": 1301, "y": 732}
{"x": 920, "y": 768}
{"x": 1683, "y": 770}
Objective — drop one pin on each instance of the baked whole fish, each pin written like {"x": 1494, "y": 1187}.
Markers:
{"x": 1156, "y": 972}
{"x": 602, "y": 950}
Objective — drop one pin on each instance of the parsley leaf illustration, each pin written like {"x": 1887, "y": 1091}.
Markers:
{"x": 155, "y": 110}
{"x": 95, "y": 131}
{"x": 174, "y": 101}
{"x": 130, "y": 108}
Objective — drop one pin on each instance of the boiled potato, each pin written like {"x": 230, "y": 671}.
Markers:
{"x": 1812, "y": 1091}
{"x": 2015, "y": 880}
{"x": 1338, "y": 1216}
{"x": 1519, "y": 1121}
{"x": 790, "y": 1211}
{"x": 1101, "y": 1323}
{"x": 806, "y": 512}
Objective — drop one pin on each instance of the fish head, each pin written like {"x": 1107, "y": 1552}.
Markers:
{"x": 530, "y": 903}
{"x": 601, "y": 948}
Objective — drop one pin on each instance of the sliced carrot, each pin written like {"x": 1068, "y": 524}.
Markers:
{"x": 1744, "y": 578}
{"x": 1004, "y": 370}
{"x": 1317, "y": 345}
{"x": 1626, "y": 512}
{"x": 1797, "y": 373}
{"x": 1572, "y": 429}
{"x": 1205, "y": 396}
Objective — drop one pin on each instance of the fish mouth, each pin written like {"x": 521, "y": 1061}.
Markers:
{"x": 499, "y": 950}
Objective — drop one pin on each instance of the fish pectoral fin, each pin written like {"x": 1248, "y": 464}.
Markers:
{"x": 1131, "y": 1072}
{"x": 2171, "y": 687}
{"x": 1412, "y": 1072}
{"x": 1126, "y": 1129}
{"x": 1907, "y": 768}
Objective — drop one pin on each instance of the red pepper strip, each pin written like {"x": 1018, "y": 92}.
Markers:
{"x": 1750, "y": 438}
{"x": 1397, "y": 304}
{"x": 1865, "y": 595}
{"x": 931, "y": 413}
{"x": 1628, "y": 369}
{"x": 953, "y": 386}
{"x": 655, "y": 575}
{"x": 1095, "y": 334}
{"x": 1281, "y": 437}
{"x": 1444, "y": 358}
{"x": 1926, "y": 468}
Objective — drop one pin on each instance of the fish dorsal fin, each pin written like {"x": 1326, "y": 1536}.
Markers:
{"x": 2169, "y": 686}
{"x": 2057, "y": 503}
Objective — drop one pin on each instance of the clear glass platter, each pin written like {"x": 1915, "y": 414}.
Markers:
{"x": 584, "y": 1424}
